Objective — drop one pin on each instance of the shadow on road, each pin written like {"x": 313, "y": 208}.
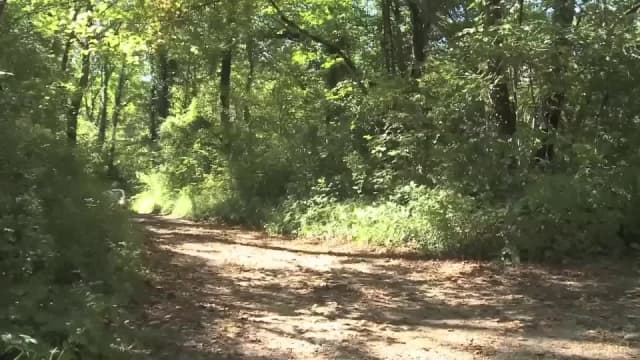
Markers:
{"x": 349, "y": 306}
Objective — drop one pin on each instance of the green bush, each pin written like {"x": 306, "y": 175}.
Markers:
{"x": 155, "y": 196}
{"x": 69, "y": 255}
{"x": 592, "y": 213}
{"x": 199, "y": 180}
{"x": 562, "y": 216}
{"x": 210, "y": 199}
{"x": 436, "y": 222}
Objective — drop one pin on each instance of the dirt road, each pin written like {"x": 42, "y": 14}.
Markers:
{"x": 226, "y": 293}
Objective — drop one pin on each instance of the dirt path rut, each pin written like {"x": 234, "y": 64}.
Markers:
{"x": 226, "y": 293}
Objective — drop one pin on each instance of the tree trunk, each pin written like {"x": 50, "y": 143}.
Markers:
{"x": 67, "y": 45}
{"x": 76, "y": 97}
{"x": 102, "y": 126}
{"x": 115, "y": 120}
{"x": 387, "y": 37}
{"x": 562, "y": 19}
{"x": 90, "y": 105}
{"x": 153, "y": 115}
{"x": 160, "y": 92}
{"x": 65, "y": 54}
{"x": 398, "y": 38}
{"x": 225, "y": 98}
{"x": 250, "y": 79}
{"x": 163, "y": 102}
{"x": 503, "y": 109}
{"x": 419, "y": 29}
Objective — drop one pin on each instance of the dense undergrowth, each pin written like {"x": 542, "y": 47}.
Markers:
{"x": 514, "y": 136}
{"x": 70, "y": 258}
{"x": 555, "y": 218}
{"x": 384, "y": 174}
{"x": 582, "y": 208}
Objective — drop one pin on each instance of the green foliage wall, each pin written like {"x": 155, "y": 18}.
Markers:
{"x": 68, "y": 258}
{"x": 358, "y": 141}
{"x": 520, "y": 113}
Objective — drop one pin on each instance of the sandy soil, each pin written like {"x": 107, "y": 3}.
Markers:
{"x": 226, "y": 293}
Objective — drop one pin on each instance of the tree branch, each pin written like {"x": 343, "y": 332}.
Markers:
{"x": 332, "y": 48}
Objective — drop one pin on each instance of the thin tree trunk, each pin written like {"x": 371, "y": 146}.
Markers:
{"x": 250, "y": 79}
{"x": 76, "y": 97}
{"x": 400, "y": 54}
{"x": 153, "y": 115}
{"x": 562, "y": 18}
{"x": 225, "y": 97}
{"x": 419, "y": 39}
{"x": 500, "y": 98}
{"x": 387, "y": 37}
{"x": 65, "y": 54}
{"x": 160, "y": 93}
{"x": 115, "y": 119}
{"x": 102, "y": 126}
{"x": 503, "y": 109}
{"x": 90, "y": 105}
{"x": 163, "y": 103}
{"x": 67, "y": 45}
{"x": 195, "y": 84}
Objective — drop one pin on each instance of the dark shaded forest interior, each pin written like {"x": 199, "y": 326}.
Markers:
{"x": 321, "y": 179}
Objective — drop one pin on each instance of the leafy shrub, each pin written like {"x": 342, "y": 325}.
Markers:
{"x": 210, "y": 199}
{"x": 69, "y": 259}
{"x": 572, "y": 216}
{"x": 592, "y": 213}
{"x": 437, "y": 222}
{"x": 155, "y": 196}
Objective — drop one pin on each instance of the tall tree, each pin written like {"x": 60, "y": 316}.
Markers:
{"x": 102, "y": 122}
{"x": 153, "y": 115}
{"x": 115, "y": 120}
{"x": 503, "y": 108}
{"x": 85, "y": 72}
{"x": 64, "y": 62}
{"x": 164, "y": 83}
{"x": 78, "y": 94}
{"x": 401, "y": 57}
{"x": 554, "y": 101}
{"x": 388, "y": 48}
{"x": 225, "y": 97}
{"x": 161, "y": 90}
{"x": 419, "y": 28}
{"x": 251, "y": 74}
